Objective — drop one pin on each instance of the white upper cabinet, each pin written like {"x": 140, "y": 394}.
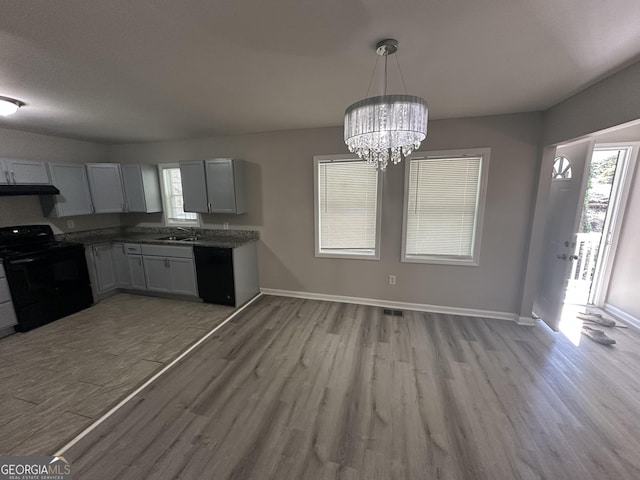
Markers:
{"x": 74, "y": 198}
{"x": 141, "y": 188}
{"x": 23, "y": 172}
{"x": 105, "y": 184}
{"x": 194, "y": 187}
{"x": 214, "y": 186}
{"x": 226, "y": 185}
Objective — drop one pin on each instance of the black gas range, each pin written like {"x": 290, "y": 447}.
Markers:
{"x": 48, "y": 279}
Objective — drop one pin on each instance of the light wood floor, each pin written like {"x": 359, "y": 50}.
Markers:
{"x": 298, "y": 389}
{"x": 57, "y": 379}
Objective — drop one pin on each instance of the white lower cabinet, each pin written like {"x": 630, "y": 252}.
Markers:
{"x": 121, "y": 266}
{"x": 170, "y": 275}
{"x": 183, "y": 276}
{"x": 170, "y": 269}
{"x": 136, "y": 270}
{"x": 154, "y": 268}
{"x": 103, "y": 263}
{"x": 157, "y": 271}
{"x": 127, "y": 262}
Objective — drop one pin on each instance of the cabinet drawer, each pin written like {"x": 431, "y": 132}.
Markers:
{"x": 7, "y": 315}
{"x": 5, "y": 294}
{"x": 132, "y": 248}
{"x": 167, "y": 251}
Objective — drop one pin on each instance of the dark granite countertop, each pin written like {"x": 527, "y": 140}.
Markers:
{"x": 205, "y": 237}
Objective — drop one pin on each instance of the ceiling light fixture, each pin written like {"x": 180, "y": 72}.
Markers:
{"x": 9, "y": 106}
{"x": 387, "y": 127}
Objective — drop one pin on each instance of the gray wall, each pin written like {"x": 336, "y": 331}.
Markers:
{"x": 610, "y": 102}
{"x": 24, "y": 210}
{"x": 607, "y": 104}
{"x": 624, "y": 284}
{"x": 281, "y": 207}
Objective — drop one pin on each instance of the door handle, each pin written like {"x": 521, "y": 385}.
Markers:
{"x": 573, "y": 257}
{"x": 562, "y": 256}
{"x": 6, "y": 174}
{"x": 13, "y": 175}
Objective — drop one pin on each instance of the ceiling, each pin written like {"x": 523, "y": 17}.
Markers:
{"x": 119, "y": 71}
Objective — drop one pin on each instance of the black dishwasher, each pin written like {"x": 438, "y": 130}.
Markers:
{"x": 214, "y": 269}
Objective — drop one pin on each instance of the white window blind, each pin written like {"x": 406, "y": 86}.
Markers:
{"x": 173, "y": 201}
{"x": 347, "y": 207}
{"x": 442, "y": 206}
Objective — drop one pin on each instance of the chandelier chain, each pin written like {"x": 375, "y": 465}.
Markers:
{"x": 384, "y": 91}
{"x": 371, "y": 79}
{"x": 401, "y": 75}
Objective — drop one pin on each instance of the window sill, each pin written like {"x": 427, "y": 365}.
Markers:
{"x": 350, "y": 256}
{"x": 463, "y": 262}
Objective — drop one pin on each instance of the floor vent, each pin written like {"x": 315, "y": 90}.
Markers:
{"x": 395, "y": 313}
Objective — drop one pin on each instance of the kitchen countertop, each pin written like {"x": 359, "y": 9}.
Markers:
{"x": 205, "y": 237}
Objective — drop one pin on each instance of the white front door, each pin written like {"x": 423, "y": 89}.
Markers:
{"x": 563, "y": 214}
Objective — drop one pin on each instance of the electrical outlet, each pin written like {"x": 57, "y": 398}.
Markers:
{"x": 70, "y": 224}
{"x": 392, "y": 279}
{"x": 225, "y": 226}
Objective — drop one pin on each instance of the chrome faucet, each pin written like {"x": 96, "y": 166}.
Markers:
{"x": 191, "y": 231}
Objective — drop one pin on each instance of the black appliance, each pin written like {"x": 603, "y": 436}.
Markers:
{"x": 214, "y": 269}
{"x": 8, "y": 190}
{"x": 48, "y": 280}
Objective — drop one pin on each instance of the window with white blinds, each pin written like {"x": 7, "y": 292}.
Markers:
{"x": 443, "y": 207}
{"x": 347, "y": 208}
{"x": 172, "y": 201}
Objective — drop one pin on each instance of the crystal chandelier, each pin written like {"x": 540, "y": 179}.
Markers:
{"x": 388, "y": 127}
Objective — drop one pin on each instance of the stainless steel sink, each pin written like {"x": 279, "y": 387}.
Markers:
{"x": 174, "y": 238}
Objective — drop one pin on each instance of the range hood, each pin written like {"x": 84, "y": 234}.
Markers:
{"x": 6, "y": 190}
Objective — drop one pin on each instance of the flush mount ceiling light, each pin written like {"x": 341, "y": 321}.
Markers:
{"x": 388, "y": 127}
{"x": 9, "y": 106}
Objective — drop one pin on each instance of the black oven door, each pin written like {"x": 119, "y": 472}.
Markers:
{"x": 48, "y": 285}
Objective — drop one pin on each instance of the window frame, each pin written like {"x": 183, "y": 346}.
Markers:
{"x": 165, "y": 210}
{"x": 317, "y": 160}
{"x": 474, "y": 261}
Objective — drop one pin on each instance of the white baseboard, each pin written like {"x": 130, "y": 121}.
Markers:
{"x": 622, "y": 315}
{"x": 527, "y": 321}
{"x": 419, "y": 307}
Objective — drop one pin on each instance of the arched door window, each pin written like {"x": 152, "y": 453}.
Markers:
{"x": 561, "y": 168}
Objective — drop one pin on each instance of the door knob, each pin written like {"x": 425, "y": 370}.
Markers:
{"x": 573, "y": 257}
{"x": 561, "y": 256}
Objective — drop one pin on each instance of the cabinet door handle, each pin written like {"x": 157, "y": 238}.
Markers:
{"x": 6, "y": 174}
{"x": 139, "y": 261}
{"x": 123, "y": 249}
{"x": 95, "y": 250}
{"x": 13, "y": 175}
{"x": 209, "y": 207}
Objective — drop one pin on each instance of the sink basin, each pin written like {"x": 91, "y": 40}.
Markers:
{"x": 174, "y": 238}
